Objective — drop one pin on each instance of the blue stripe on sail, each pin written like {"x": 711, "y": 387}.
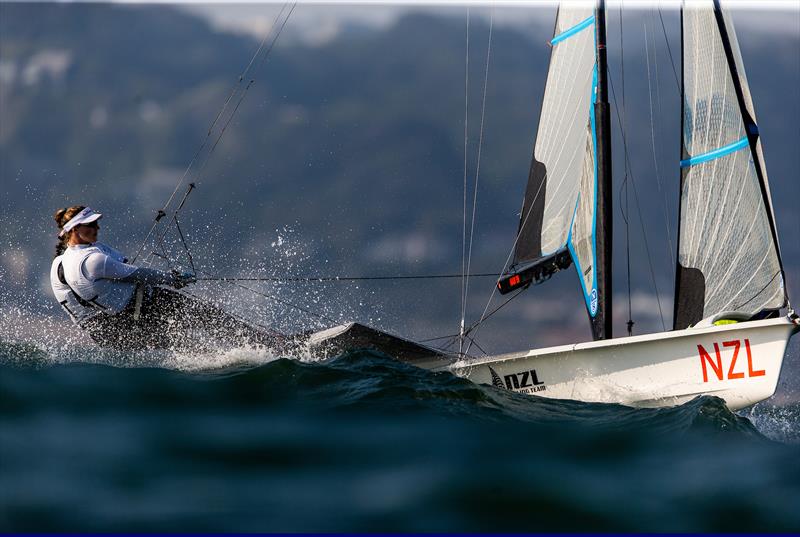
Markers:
{"x": 589, "y": 295}
{"x": 572, "y": 31}
{"x": 711, "y": 155}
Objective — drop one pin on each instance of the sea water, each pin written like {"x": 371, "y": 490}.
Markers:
{"x": 245, "y": 441}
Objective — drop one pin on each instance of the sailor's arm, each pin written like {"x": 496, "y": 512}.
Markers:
{"x": 102, "y": 266}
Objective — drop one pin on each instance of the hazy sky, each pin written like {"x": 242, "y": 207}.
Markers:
{"x": 317, "y": 22}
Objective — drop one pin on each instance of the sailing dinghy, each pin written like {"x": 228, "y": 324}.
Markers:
{"x": 729, "y": 338}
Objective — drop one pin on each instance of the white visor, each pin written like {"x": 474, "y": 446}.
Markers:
{"x": 86, "y": 216}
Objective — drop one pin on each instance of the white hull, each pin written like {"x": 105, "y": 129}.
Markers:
{"x": 740, "y": 363}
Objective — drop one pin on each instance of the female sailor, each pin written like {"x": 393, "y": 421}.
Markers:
{"x": 124, "y": 306}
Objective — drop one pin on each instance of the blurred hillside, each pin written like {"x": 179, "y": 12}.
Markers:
{"x": 344, "y": 159}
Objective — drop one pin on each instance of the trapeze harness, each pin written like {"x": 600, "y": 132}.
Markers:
{"x": 82, "y": 294}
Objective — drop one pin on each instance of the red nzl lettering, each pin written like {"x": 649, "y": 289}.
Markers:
{"x": 705, "y": 357}
{"x": 760, "y": 372}
{"x": 736, "y": 345}
{"x": 715, "y": 362}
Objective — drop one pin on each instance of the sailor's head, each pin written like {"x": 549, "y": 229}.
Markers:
{"x": 78, "y": 224}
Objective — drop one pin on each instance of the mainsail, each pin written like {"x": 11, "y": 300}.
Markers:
{"x": 559, "y": 218}
{"x": 728, "y": 254}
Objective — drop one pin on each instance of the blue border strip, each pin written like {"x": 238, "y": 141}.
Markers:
{"x": 711, "y": 155}
{"x": 572, "y": 31}
{"x": 589, "y": 295}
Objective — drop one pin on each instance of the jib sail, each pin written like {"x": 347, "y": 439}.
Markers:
{"x": 558, "y": 221}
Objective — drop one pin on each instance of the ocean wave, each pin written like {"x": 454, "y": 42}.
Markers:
{"x": 371, "y": 444}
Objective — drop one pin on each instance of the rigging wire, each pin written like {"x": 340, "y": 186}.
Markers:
{"x": 236, "y": 88}
{"x": 647, "y": 250}
{"x": 524, "y": 220}
{"x": 275, "y": 298}
{"x": 638, "y": 205}
{"x": 161, "y": 237}
{"x": 485, "y": 317}
{"x": 624, "y": 208}
{"x": 208, "y": 155}
{"x": 464, "y": 226}
{"x": 653, "y": 142}
{"x": 342, "y": 278}
{"x": 669, "y": 49}
{"x": 478, "y": 165}
{"x": 185, "y": 245}
{"x": 498, "y": 308}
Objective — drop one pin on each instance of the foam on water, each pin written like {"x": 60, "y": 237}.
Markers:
{"x": 31, "y": 354}
{"x": 37, "y": 341}
{"x": 779, "y": 423}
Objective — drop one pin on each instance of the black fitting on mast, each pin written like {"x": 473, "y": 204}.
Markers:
{"x": 601, "y": 322}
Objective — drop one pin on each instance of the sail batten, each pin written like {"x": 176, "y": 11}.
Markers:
{"x": 728, "y": 255}
{"x": 586, "y": 23}
{"x": 716, "y": 153}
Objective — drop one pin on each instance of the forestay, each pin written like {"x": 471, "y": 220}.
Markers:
{"x": 728, "y": 256}
{"x": 557, "y": 222}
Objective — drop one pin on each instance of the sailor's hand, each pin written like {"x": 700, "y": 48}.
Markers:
{"x": 182, "y": 279}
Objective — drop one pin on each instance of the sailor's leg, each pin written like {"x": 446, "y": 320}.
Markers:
{"x": 183, "y": 315}
{"x": 119, "y": 331}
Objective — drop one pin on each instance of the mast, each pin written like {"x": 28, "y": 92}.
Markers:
{"x": 678, "y": 293}
{"x": 601, "y": 322}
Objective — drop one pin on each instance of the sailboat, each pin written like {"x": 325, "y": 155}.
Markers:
{"x": 729, "y": 337}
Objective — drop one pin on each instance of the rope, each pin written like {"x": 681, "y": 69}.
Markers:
{"x": 342, "y": 278}
{"x": 161, "y": 213}
{"x": 275, "y": 298}
{"x": 235, "y": 316}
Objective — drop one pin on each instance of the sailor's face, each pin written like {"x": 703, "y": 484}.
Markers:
{"x": 87, "y": 233}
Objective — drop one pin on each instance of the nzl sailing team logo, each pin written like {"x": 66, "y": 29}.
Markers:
{"x": 523, "y": 382}
{"x": 593, "y": 301}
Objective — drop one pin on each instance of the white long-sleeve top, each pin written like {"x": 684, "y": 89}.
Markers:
{"x": 94, "y": 272}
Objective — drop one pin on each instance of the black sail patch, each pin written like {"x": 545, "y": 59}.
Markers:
{"x": 529, "y": 236}
{"x": 690, "y": 292}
